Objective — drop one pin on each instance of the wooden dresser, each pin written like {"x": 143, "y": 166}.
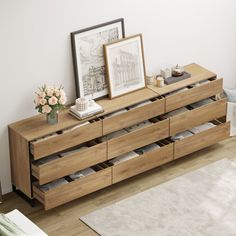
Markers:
{"x": 33, "y": 140}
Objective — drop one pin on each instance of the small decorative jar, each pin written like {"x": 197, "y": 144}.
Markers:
{"x": 81, "y": 104}
{"x": 52, "y": 117}
{"x": 160, "y": 81}
{"x": 177, "y": 71}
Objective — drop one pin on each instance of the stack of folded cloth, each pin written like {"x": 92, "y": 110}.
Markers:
{"x": 116, "y": 113}
{"x": 140, "y": 104}
{"x": 199, "y": 83}
{"x": 181, "y": 135}
{"x": 147, "y": 148}
{"x": 75, "y": 127}
{"x": 177, "y": 91}
{"x": 124, "y": 157}
{"x": 176, "y": 112}
{"x": 113, "y": 135}
{"x": 202, "y": 127}
{"x": 138, "y": 126}
{"x": 82, "y": 173}
{"x": 202, "y": 103}
{"x": 47, "y": 159}
{"x": 62, "y": 154}
{"x": 53, "y": 184}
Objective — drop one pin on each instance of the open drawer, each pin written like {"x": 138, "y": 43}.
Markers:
{"x": 202, "y": 139}
{"x": 196, "y": 116}
{"x": 138, "y": 138}
{"x": 66, "y": 139}
{"x": 133, "y": 115}
{"x": 69, "y": 162}
{"x": 144, "y": 162}
{"x": 73, "y": 189}
{"x": 210, "y": 88}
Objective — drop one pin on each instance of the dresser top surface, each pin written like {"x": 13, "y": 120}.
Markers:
{"x": 36, "y": 126}
{"x": 198, "y": 73}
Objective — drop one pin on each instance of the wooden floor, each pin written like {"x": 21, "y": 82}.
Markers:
{"x": 64, "y": 220}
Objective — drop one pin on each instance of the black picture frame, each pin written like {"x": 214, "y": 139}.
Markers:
{"x": 88, "y": 57}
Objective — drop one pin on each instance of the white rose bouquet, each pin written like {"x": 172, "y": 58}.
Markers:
{"x": 49, "y": 100}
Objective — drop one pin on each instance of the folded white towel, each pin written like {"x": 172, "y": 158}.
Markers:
{"x": 124, "y": 157}
{"x": 140, "y": 104}
{"x": 53, "y": 184}
{"x": 202, "y": 103}
{"x": 82, "y": 173}
{"x": 181, "y": 135}
{"x": 147, "y": 148}
{"x": 202, "y": 127}
{"x": 138, "y": 126}
{"x": 176, "y": 112}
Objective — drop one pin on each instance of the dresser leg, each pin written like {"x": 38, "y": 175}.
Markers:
{"x": 31, "y": 201}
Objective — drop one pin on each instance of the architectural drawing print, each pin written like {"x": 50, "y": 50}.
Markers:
{"x": 88, "y": 57}
{"x": 92, "y": 60}
{"x": 125, "y": 66}
{"x": 126, "y": 70}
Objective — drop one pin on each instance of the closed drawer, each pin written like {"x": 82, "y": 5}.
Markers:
{"x": 142, "y": 163}
{"x": 45, "y": 147}
{"x": 201, "y": 140}
{"x": 134, "y": 116}
{"x": 69, "y": 164}
{"x": 72, "y": 190}
{"x": 194, "y": 94}
{"x": 137, "y": 139}
{"x": 197, "y": 116}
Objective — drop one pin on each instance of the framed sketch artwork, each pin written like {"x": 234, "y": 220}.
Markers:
{"x": 125, "y": 65}
{"x": 88, "y": 57}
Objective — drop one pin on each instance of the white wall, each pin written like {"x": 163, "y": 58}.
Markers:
{"x": 35, "y": 45}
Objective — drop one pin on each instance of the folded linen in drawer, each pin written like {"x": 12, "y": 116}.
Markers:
{"x": 116, "y": 113}
{"x": 181, "y": 135}
{"x": 139, "y": 126}
{"x": 53, "y": 184}
{"x": 177, "y": 91}
{"x": 176, "y": 112}
{"x": 202, "y": 103}
{"x": 45, "y": 137}
{"x": 115, "y": 134}
{"x": 75, "y": 127}
{"x": 82, "y": 173}
{"x": 124, "y": 157}
{"x": 147, "y": 148}
{"x": 62, "y": 154}
{"x": 202, "y": 127}
{"x": 47, "y": 159}
{"x": 140, "y": 105}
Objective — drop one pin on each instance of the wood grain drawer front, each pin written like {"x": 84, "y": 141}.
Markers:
{"x": 70, "y": 164}
{"x": 133, "y": 116}
{"x": 66, "y": 140}
{"x": 74, "y": 189}
{"x": 201, "y": 140}
{"x": 192, "y": 95}
{"x": 137, "y": 139}
{"x": 197, "y": 116}
{"x": 142, "y": 163}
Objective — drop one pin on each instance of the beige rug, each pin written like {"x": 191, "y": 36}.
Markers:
{"x": 200, "y": 203}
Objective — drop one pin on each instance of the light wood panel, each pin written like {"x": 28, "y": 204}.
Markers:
{"x": 201, "y": 140}
{"x": 137, "y": 139}
{"x": 74, "y": 189}
{"x": 70, "y": 164}
{"x": 111, "y": 105}
{"x": 63, "y": 141}
{"x": 142, "y": 163}
{"x": 133, "y": 116}
{"x": 193, "y": 95}
{"x": 198, "y": 73}
{"x": 197, "y": 116}
{"x": 20, "y": 165}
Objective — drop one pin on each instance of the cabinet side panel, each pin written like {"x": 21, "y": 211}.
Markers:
{"x": 20, "y": 166}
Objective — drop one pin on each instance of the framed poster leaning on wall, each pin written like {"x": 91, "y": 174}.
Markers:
{"x": 88, "y": 57}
